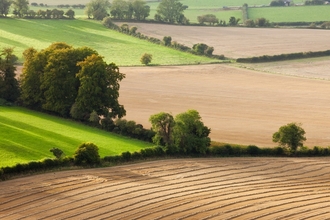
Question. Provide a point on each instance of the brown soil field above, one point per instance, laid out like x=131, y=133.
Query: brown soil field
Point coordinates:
x=239, y=105
x=221, y=188
x=242, y=42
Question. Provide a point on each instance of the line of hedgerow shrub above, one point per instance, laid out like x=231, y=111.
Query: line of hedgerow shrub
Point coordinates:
x=282, y=57
x=216, y=150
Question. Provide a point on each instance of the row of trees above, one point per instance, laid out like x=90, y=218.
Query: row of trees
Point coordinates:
x=71, y=82
x=21, y=9
x=169, y=11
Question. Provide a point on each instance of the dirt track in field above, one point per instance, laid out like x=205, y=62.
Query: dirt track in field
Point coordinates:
x=239, y=105
x=242, y=42
x=223, y=188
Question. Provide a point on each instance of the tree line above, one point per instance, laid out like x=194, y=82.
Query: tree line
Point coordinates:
x=21, y=9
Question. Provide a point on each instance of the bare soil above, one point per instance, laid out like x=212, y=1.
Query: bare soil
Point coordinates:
x=242, y=42
x=239, y=105
x=222, y=188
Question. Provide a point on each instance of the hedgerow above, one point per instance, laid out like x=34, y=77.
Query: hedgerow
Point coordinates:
x=281, y=57
x=158, y=152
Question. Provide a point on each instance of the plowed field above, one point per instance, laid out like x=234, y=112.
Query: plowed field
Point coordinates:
x=239, y=105
x=242, y=42
x=235, y=188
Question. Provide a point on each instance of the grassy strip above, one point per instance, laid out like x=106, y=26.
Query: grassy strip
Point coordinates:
x=291, y=14
x=115, y=47
x=26, y=135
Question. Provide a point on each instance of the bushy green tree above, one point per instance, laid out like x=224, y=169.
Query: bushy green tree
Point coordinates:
x=87, y=154
x=99, y=87
x=121, y=9
x=70, y=13
x=190, y=133
x=209, y=18
x=277, y=3
x=97, y=9
x=146, y=58
x=167, y=40
x=9, y=88
x=4, y=7
x=62, y=79
x=20, y=7
x=140, y=9
x=162, y=123
x=170, y=11
x=291, y=136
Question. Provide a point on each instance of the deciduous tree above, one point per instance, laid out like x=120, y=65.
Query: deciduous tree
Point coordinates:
x=99, y=88
x=9, y=89
x=162, y=123
x=97, y=9
x=290, y=135
x=4, y=7
x=170, y=11
x=21, y=7
x=190, y=133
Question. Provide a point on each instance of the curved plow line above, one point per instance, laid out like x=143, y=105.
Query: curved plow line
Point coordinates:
x=264, y=196
x=161, y=181
x=304, y=212
x=25, y=196
x=317, y=214
x=264, y=209
x=19, y=190
x=212, y=195
x=135, y=203
x=296, y=207
x=245, y=200
x=158, y=187
x=86, y=191
x=175, y=174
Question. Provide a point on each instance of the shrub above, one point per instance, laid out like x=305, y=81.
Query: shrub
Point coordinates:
x=277, y=3
x=87, y=154
x=126, y=156
x=261, y=22
x=58, y=153
x=252, y=150
x=200, y=48
x=326, y=25
x=249, y=23
x=146, y=58
x=107, y=22
x=133, y=30
x=167, y=40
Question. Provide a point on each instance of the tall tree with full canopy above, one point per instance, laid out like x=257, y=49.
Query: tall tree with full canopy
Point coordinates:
x=99, y=88
x=170, y=11
x=20, y=7
x=291, y=135
x=70, y=82
x=9, y=89
x=162, y=123
x=4, y=7
x=97, y=9
x=141, y=9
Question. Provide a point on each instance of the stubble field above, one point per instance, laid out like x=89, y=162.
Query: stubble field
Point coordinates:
x=223, y=188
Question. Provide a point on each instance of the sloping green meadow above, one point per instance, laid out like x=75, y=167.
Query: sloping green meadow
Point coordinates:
x=116, y=47
x=27, y=135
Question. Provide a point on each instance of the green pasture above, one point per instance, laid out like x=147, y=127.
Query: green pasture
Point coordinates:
x=26, y=135
x=292, y=14
x=114, y=46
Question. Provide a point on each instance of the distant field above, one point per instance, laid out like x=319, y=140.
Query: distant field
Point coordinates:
x=27, y=135
x=114, y=46
x=292, y=14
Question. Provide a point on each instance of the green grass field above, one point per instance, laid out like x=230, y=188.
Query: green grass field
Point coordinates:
x=27, y=135
x=114, y=46
x=292, y=14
